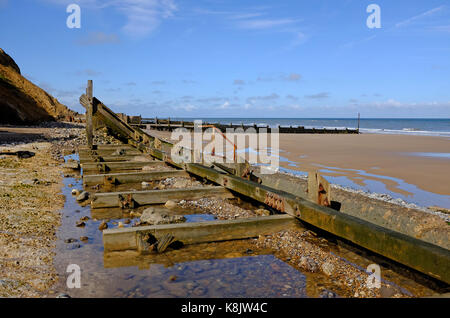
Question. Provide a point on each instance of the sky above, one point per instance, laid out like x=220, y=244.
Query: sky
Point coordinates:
x=224, y=58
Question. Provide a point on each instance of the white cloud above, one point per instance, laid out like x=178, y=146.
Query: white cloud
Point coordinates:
x=420, y=16
x=143, y=16
x=264, y=23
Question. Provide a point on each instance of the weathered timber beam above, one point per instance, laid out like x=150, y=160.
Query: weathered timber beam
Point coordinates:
x=103, y=167
x=131, y=177
x=133, y=198
x=133, y=238
x=109, y=158
x=106, y=147
x=110, y=152
x=417, y=254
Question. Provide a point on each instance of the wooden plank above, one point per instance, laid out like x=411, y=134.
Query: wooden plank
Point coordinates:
x=106, y=147
x=112, y=199
x=89, y=114
x=130, y=177
x=133, y=238
x=104, y=167
x=110, y=152
x=87, y=158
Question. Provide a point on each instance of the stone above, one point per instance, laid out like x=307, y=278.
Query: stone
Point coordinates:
x=161, y=186
x=170, y=204
x=127, y=221
x=80, y=224
x=70, y=240
x=103, y=226
x=181, y=183
x=172, y=278
x=120, y=224
x=153, y=217
x=63, y=296
x=145, y=185
x=84, y=239
x=308, y=264
x=262, y=212
x=327, y=268
x=84, y=218
x=83, y=196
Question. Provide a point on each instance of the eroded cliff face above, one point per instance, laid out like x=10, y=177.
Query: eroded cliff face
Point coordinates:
x=22, y=102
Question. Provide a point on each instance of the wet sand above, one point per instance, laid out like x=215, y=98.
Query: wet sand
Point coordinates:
x=378, y=155
x=379, y=163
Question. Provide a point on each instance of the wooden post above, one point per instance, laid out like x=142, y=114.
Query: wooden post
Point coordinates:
x=358, y=122
x=89, y=114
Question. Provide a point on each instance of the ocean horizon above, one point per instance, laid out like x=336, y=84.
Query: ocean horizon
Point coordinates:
x=407, y=126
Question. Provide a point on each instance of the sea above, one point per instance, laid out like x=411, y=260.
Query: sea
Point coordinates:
x=407, y=126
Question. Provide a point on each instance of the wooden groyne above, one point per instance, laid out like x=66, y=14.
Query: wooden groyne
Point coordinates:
x=430, y=259
x=170, y=125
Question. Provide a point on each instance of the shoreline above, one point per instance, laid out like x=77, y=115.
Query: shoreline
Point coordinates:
x=375, y=163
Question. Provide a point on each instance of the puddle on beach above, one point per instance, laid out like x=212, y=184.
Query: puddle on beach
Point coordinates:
x=443, y=155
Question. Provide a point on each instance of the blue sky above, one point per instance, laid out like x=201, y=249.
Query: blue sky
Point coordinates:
x=217, y=58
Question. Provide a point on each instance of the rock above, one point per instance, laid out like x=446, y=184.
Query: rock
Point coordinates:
x=172, y=278
x=120, y=224
x=170, y=204
x=84, y=239
x=83, y=196
x=84, y=218
x=75, y=192
x=327, y=268
x=160, y=186
x=308, y=264
x=71, y=165
x=145, y=185
x=70, y=240
x=103, y=226
x=63, y=296
x=80, y=224
x=181, y=183
x=135, y=214
x=262, y=212
x=127, y=221
x=153, y=217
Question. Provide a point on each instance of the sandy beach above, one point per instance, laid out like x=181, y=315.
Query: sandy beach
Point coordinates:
x=380, y=156
x=414, y=168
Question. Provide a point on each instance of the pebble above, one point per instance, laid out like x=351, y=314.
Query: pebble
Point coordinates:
x=103, y=226
x=80, y=224
x=84, y=239
x=170, y=204
x=75, y=192
x=83, y=196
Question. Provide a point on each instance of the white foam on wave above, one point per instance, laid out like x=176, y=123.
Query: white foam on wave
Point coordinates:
x=405, y=132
